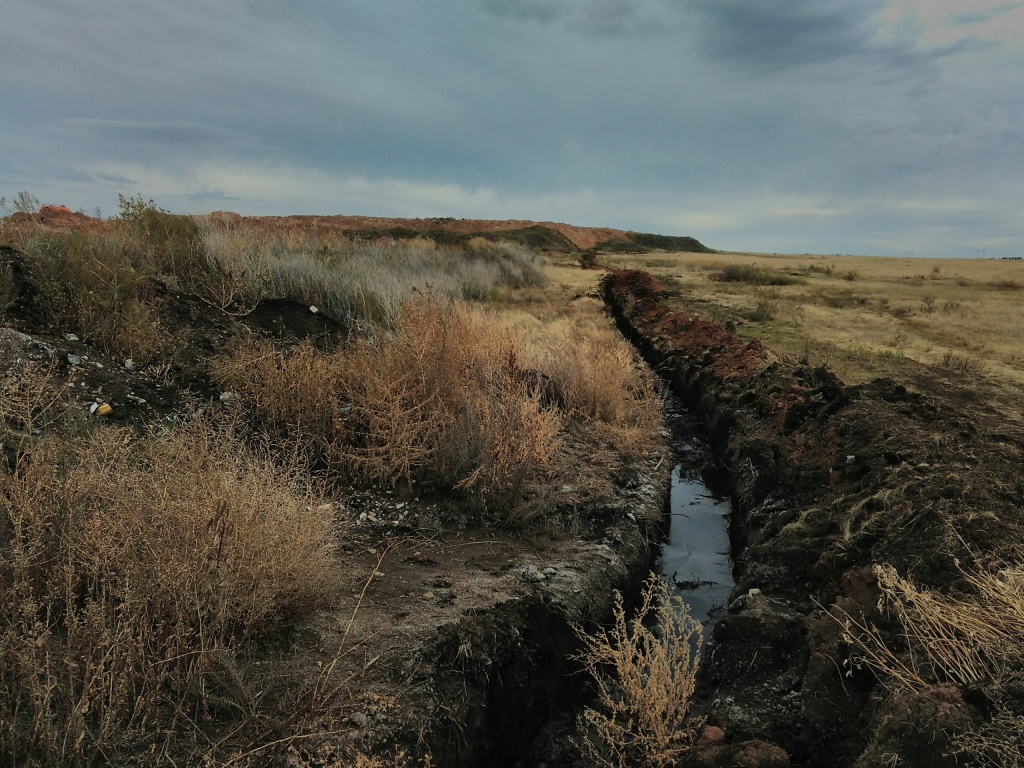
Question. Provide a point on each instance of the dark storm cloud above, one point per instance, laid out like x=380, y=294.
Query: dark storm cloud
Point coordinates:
x=774, y=35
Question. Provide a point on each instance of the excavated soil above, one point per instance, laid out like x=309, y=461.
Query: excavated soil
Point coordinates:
x=826, y=480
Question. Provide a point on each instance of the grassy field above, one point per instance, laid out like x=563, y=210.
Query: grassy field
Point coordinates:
x=861, y=316
x=146, y=562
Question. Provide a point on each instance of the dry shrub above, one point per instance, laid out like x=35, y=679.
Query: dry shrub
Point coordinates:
x=96, y=284
x=294, y=392
x=31, y=400
x=441, y=402
x=975, y=641
x=455, y=399
x=445, y=400
x=645, y=678
x=132, y=575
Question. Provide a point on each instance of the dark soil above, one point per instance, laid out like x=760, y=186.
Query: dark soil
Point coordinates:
x=826, y=480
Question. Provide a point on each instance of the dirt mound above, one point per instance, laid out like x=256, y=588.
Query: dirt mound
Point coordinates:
x=142, y=394
x=826, y=480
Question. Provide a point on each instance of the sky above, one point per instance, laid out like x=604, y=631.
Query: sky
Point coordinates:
x=881, y=127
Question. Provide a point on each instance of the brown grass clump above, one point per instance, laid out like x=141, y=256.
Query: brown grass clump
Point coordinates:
x=753, y=275
x=975, y=641
x=133, y=574
x=961, y=363
x=645, y=678
x=446, y=400
x=454, y=399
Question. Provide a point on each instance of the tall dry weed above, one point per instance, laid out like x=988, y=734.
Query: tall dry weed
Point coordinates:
x=133, y=574
x=975, y=641
x=645, y=678
x=445, y=400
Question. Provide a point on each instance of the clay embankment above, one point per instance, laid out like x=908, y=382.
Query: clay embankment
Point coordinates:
x=826, y=480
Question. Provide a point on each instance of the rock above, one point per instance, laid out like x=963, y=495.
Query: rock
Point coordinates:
x=70, y=337
x=129, y=364
x=529, y=574
x=920, y=727
x=710, y=736
x=74, y=359
x=228, y=397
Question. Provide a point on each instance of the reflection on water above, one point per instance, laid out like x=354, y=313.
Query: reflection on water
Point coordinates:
x=695, y=557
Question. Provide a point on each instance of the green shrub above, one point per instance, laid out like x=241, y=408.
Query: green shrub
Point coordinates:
x=753, y=275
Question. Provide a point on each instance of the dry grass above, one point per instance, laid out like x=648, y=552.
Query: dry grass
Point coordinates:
x=133, y=575
x=461, y=399
x=975, y=641
x=98, y=280
x=965, y=307
x=644, y=679
x=364, y=281
x=98, y=288
x=962, y=363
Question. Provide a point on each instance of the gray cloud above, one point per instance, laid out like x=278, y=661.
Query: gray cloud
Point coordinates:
x=690, y=116
x=775, y=35
x=544, y=11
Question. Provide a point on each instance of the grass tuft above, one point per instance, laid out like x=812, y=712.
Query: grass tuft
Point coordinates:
x=133, y=575
x=644, y=678
x=752, y=274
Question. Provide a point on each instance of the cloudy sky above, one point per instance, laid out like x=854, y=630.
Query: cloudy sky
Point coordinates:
x=827, y=126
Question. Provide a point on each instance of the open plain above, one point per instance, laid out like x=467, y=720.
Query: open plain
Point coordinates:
x=331, y=491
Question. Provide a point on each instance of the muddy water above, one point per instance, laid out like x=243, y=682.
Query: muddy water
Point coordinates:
x=695, y=556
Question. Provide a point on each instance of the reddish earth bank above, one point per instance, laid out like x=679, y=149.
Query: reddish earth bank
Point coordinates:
x=826, y=480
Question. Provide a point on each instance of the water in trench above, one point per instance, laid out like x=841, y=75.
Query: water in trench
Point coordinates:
x=695, y=560
x=695, y=556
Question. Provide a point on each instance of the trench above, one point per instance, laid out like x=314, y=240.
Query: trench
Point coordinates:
x=695, y=558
